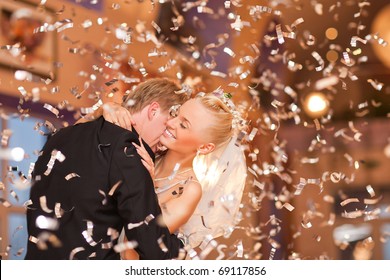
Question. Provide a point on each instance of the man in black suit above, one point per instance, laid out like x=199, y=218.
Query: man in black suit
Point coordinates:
x=89, y=183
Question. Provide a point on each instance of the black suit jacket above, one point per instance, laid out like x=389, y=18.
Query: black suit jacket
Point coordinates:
x=82, y=202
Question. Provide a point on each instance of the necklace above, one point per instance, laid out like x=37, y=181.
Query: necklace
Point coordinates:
x=172, y=175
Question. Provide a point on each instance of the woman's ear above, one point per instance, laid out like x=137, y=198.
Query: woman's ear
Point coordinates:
x=206, y=148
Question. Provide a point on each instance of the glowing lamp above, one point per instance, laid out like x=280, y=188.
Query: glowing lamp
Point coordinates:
x=316, y=104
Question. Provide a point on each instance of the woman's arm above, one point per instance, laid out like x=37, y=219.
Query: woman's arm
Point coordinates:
x=177, y=211
x=91, y=116
x=112, y=112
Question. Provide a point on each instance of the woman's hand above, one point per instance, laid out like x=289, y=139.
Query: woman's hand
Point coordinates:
x=116, y=114
x=145, y=158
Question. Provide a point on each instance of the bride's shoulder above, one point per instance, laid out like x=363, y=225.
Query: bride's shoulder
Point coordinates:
x=193, y=188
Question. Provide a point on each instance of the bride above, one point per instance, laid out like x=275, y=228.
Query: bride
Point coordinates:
x=200, y=177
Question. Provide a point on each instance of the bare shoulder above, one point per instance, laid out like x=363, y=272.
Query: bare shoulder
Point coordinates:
x=193, y=189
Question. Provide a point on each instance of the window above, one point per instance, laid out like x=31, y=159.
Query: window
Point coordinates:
x=15, y=190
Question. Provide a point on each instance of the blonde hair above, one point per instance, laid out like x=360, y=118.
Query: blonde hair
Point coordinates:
x=160, y=90
x=221, y=130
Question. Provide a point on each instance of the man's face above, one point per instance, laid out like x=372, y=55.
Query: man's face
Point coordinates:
x=157, y=127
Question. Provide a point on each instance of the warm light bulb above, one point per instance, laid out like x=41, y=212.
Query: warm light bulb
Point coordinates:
x=316, y=104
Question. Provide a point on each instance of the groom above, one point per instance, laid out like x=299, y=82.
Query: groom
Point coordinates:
x=89, y=183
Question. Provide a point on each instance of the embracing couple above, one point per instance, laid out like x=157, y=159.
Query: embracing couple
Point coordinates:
x=95, y=179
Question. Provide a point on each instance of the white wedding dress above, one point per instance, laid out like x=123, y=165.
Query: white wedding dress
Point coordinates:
x=222, y=175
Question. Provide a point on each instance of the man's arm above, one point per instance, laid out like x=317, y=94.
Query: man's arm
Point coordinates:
x=137, y=203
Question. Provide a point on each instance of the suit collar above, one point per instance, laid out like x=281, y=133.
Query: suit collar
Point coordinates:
x=107, y=132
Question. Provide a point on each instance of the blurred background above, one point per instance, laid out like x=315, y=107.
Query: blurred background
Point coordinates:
x=311, y=76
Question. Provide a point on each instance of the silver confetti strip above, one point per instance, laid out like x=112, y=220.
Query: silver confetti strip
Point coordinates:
x=128, y=245
x=349, y=200
x=370, y=190
x=71, y=175
x=75, y=251
x=33, y=239
x=134, y=225
x=5, y=203
x=107, y=246
x=104, y=201
x=43, y=204
x=89, y=238
x=58, y=211
x=114, y=187
x=240, y=249
x=162, y=245
x=55, y=155
x=51, y=109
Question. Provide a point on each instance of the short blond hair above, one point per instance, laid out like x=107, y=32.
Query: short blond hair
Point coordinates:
x=160, y=90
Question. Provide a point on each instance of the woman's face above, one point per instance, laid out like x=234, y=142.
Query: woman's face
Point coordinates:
x=189, y=129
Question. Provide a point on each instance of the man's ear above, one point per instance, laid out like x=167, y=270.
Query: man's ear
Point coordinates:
x=206, y=148
x=153, y=109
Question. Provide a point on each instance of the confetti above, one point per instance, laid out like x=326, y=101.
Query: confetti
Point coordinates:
x=5, y=135
x=123, y=246
x=114, y=187
x=240, y=249
x=63, y=24
x=272, y=254
x=306, y=224
x=288, y=206
x=43, y=204
x=326, y=82
x=89, y=239
x=353, y=214
x=192, y=254
x=220, y=249
x=75, y=251
x=162, y=245
x=218, y=74
x=14, y=195
x=104, y=201
x=58, y=211
x=370, y=190
x=55, y=155
x=211, y=245
x=275, y=99
x=375, y=84
x=238, y=25
x=71, y=175
x=372, y=201
x=279, y=34
x=147, y=220
x=5, y=203
x=27, y=204
x=319, y=60
x=349, y=200
x=229, y=52
x=33, y=239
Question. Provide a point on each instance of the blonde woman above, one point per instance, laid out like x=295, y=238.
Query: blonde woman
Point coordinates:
x=199, y=179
